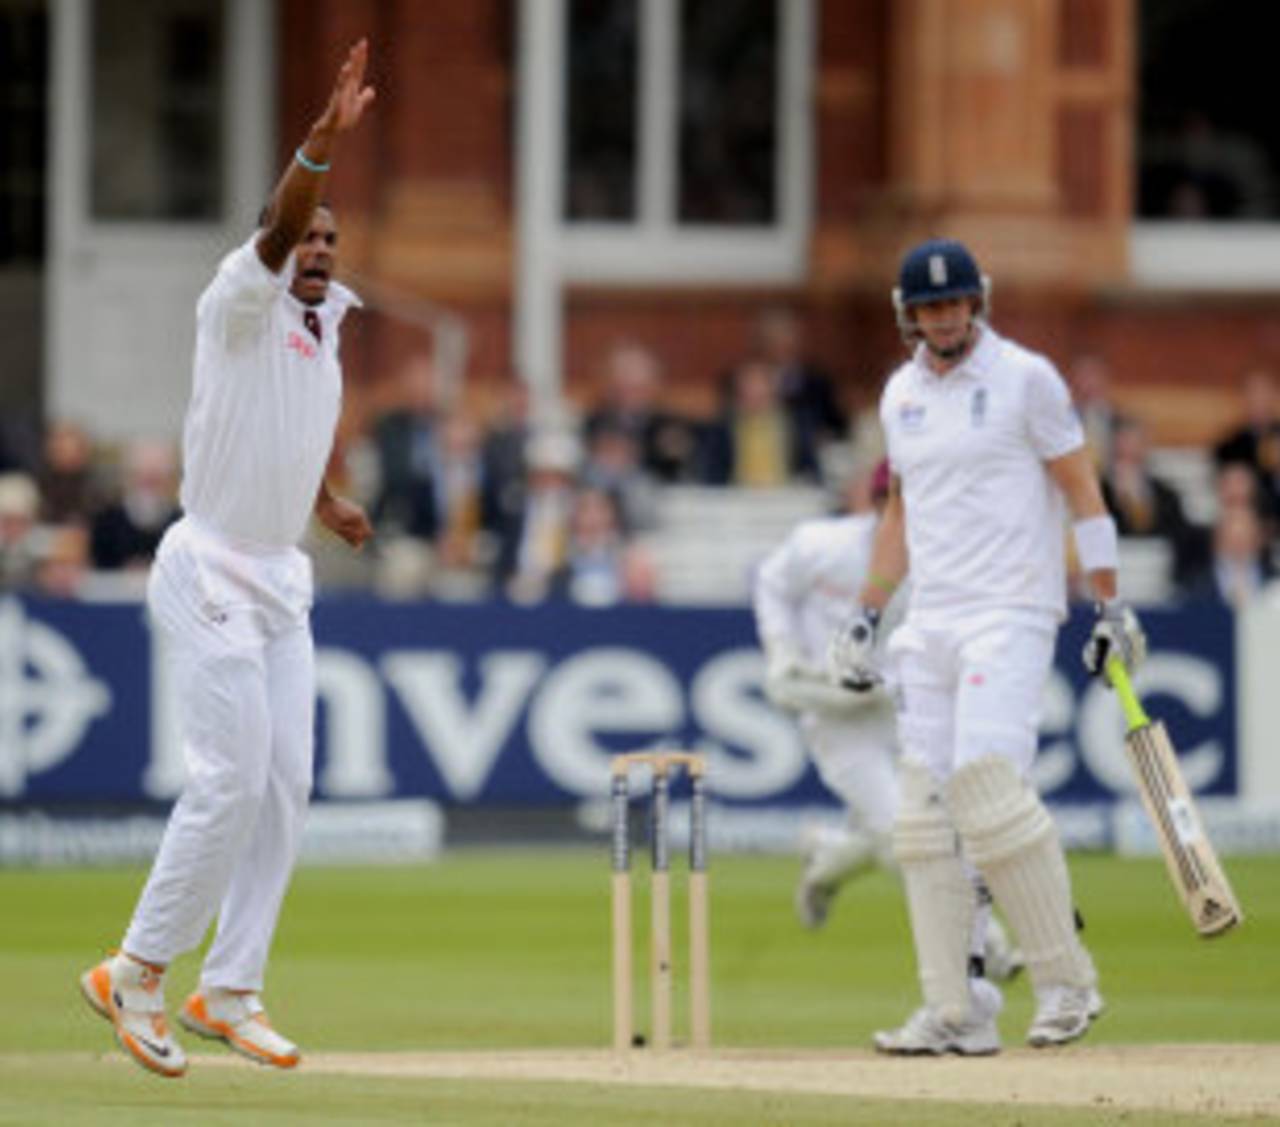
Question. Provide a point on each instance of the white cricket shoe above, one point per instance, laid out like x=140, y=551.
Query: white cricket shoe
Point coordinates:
x=926, y=1034
x=1064, y=1014
x=130, y=995
x=832, y=859
x=1002, y=961
x=238, y=1019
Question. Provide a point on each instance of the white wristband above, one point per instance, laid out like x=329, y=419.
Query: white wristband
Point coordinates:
x=1097, y=544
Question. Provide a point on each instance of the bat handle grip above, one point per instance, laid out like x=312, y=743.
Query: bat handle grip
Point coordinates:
x=1134, y=714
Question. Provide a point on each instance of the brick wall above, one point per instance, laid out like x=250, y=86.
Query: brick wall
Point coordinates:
x=424, y=193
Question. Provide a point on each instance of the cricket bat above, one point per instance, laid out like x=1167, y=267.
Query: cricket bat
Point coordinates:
x=1193, y=865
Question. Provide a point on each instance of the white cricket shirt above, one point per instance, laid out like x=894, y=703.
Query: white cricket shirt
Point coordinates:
x=985, y=522
x=265, y=400
x=806, y=588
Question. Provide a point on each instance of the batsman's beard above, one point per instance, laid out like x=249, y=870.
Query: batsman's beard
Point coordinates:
x=955, y=351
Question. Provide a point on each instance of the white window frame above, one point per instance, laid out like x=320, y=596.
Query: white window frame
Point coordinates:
x=655, y=247
x=652, y=249
x=247, y=132
x=1210, y=256
x=1222, y=256
x=116, y=282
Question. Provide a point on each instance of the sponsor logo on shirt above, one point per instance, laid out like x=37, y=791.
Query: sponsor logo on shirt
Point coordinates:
x=911, y=416
x=978, y=407
x=296, y=342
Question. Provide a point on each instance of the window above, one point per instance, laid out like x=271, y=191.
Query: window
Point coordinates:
x=685, y=133
x=24, y=52
x=600, y=144
x=156, y=110
x=1207, y=204
x=728, y=111
x=1209, y=137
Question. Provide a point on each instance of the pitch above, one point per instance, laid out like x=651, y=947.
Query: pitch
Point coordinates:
x=476, y=990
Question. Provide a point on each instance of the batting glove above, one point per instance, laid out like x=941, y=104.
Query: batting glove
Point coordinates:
x=1117, y=631
x=851, y=651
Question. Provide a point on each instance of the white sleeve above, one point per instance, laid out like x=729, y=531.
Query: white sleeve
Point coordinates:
x=776, y=595
x=1052, y=421
x=886, y=427
x=241, y=293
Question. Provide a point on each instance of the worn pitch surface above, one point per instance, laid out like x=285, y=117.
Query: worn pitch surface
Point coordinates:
x=1205, y=1079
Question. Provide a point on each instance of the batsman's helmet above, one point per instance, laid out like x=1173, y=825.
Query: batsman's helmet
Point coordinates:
x=938, y=270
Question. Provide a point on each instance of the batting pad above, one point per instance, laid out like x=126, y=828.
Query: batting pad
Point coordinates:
x=1008, y=834
x=940, y=897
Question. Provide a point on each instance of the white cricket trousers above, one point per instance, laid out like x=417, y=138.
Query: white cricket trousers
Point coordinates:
x=237, y=631
x=855, y=758
x=972, y=687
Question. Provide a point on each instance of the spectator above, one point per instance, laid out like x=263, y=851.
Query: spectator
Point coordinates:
x=630, y=402
x=600, y=567
x=1236, y=486
x=19, y=507
x=613, y=466
x=1142, y=504
x=1090, y=381
x=535, y=549
x=459, y=508
x=1256, y=442
x=403, y=438
x=806, y=390
x=127, y=532
x=62, y=566
x=1240, y=566
x=504, y=455
x=68, y=489
x=756, y=443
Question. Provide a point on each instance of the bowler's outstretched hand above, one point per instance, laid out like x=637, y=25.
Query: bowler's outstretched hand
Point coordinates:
x=350, y=97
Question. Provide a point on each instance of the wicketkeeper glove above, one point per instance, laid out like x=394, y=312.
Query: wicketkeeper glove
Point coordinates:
x=782, y=669
x=794, y=686
x=851, y=651
x=1117, y=631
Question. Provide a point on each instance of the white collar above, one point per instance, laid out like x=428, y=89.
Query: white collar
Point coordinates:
x=337, y=300
x=976, y=364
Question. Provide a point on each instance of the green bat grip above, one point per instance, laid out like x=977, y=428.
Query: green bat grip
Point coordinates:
x=1134, y=715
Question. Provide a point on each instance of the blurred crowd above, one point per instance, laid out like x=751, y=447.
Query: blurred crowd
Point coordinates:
x=533, y=507
x=473, y=503
x=82, y=521
x=1233, y=556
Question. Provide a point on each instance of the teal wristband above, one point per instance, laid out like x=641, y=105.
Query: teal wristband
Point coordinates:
x=307, y=163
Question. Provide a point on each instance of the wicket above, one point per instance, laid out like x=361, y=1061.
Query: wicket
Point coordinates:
x=663, y=764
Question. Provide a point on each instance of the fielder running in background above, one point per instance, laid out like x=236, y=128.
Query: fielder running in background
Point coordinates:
x=987, y=456
x=231, y=592
x=803, y=592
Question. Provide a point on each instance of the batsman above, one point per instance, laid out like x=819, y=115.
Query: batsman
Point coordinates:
x=988, y=459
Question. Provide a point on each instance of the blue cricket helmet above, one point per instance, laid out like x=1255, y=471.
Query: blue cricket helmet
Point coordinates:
x=938, y=270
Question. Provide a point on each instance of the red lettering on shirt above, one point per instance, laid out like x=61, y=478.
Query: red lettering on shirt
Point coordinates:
x=299, y=344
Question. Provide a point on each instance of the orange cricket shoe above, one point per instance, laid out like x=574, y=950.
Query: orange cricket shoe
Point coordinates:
x=130, y=995
x=238, y=1019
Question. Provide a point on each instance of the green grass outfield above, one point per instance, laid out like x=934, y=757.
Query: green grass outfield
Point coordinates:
x=510, y=950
